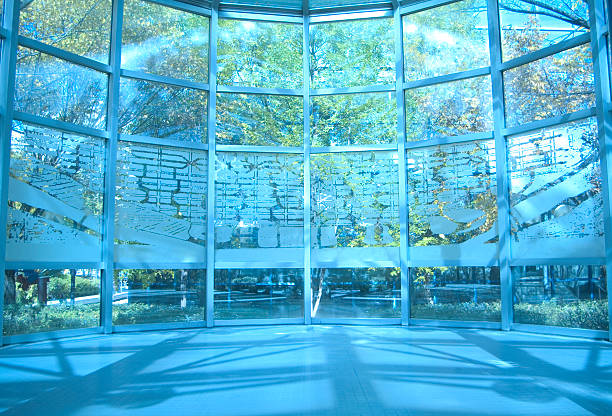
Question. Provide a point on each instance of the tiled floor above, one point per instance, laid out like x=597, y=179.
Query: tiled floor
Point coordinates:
x=317, y=370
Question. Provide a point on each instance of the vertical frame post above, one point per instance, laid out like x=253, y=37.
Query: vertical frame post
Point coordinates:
x=212, y=128
x=401, y=153
x=112, y=125
x=501, y=164
x=307, y=190
x=10, y=22
x=601, y=67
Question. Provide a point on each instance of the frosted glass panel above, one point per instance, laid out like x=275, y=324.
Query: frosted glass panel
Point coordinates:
x=160, y=204
x=56, y=188
x=555, y=192
x=354, y=199
x=452, y=201
x=259, y=201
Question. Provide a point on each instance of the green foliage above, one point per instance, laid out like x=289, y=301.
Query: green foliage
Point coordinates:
x=467, y=311
x=142, y=313
x=25, y=319
x=59, y=287
x=585, y=314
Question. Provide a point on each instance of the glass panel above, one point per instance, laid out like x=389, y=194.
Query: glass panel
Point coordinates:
x=556, y=193
x=81, y=27
x=44, y=300
x=259, y=54
x=452, y=199
x=56, y=193
x=354, y=199
x=262, y=120
x=259, y=200
x=455, y=293
x=569, y=296
x=553, y=86
x=446, y=39
x=164, y=41
x=259, y=293
x=144, y=296
x=50, y=87
x=160, y=204
x=449, y=109
x=353, y=119
x=356, y=293
x=352, y=53
x=164, y=111
x=528, y=25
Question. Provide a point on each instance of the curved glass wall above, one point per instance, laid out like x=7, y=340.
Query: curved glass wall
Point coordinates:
x=167, y=165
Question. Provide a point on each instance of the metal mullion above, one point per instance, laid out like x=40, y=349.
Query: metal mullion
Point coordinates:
x=63, y=126
x=546, y=52
x=258, y=149
x=108, y=235
x=601, y=67
x=10, y=22
x=3, y=31
x=261, y=17
x=463, y=138
x=501, y=167
x=182, y=6
x=352, y=90
x=162, y=142
x=549, y=122
x=424, y=5
x=259, y=91
x=64, y=55
x=342, y=14
x=457, y=76
x=210, y=198
x=144, y=76
x=307, y=190
x=355, y=148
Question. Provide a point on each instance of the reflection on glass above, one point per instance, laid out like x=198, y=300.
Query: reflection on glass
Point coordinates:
x=259, y=54
x=446, y=39
x=449, y=109
x=455, y=293
x=556, y=193
x=263, y=120
x=164, y=111
x=354, y=199
x=452, y=194
x=527, y=25
x=259, y=200
x=160, y=204
x=145, y=296
x=353, y=119
x=81, y=27
x=56, y=189
x=356, y=293
x=50, y=87
x=164, y=41
x=352, y=53
x=259, y=293
x=44, y=300
x=552, y=86
x=568, y=296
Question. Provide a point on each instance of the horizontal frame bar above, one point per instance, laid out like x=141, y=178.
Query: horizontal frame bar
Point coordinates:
x=144, y=76
x=546, y=52
x=353, y=148
x=351, y=90
x=251, y=322
x=357, y=321
x=235, y=15
x=155, y=141
x=64, y=55
x=469, y=137
x=63, y=126
x=159, y=266
x=442, y=79
x=257, y=149
x=162, y=326
x=266, y=10
x=585, y=261
x=424, y=5
x=183, y=6
x=549, y=122
x=264, y=264
x=45, y=336
x=451, y=262
x=234, y=89
x=562, y=331
x=331, y=15
x=31, y=265
x=455, y=324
